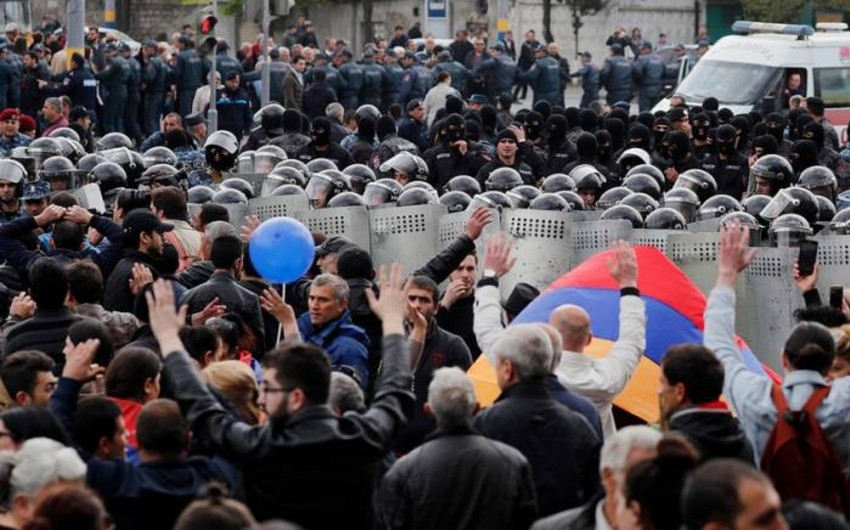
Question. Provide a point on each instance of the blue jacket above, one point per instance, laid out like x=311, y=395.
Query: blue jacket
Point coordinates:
x=575, y=403
x=347, y=345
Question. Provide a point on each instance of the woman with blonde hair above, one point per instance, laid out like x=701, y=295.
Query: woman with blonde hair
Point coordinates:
x=235, y=381
x=841, y=364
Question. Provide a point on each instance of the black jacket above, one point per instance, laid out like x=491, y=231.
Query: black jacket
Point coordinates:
x=558, y=443
x=236, y=299
x=196, y=274
x=311, y=468
x=715, y=433
x=45, y=332
x=458, y=319
x=458, y=479
x=116, y=293
x=335, y=154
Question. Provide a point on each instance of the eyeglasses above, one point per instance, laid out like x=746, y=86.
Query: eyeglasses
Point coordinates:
x=265, y=389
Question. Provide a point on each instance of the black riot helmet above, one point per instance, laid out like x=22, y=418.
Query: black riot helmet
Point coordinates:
x=160, y=155
x=267, y=157
x=641, y=202
x=405, y=167
x=643, y=183
x=648, y=169
x=826, y=210
x=34, y=154
x=632, y=157
x=558, y=182
x=160, y=175
x=789, y=230
x=320, y=164
x=491, y=199
x=131, y=161
x=60, y=173
x=110, y=177
x=416, y=197
x=359, y=175
x=666, y=219
x=820, y=180
x=87, y=163
x=612, y=197
x=684, y=201
x=503, y=179
x=71, y=149
x=229, y=196
x=221, y=149
x=323, y=185
x=382, y=191
x=289, y=189
x=743, y=219
x=296, y=164
x=774, y=170
x=455, y=201
x=236, y=183
x=794, y=200
x=587, y=177
x=840, y=223
x=523, y=195
x=754, y=204
x=113, y=140
x=346, y=199
x=65, y=132
x=280, y=176
x=421, y=184
x=701, y=182
x=271, y=119
x=200, y=194
x=573, y=199
x=718, y=206
x=621, y=212
x=549, y=201
x=367, y=110
x=463, y=183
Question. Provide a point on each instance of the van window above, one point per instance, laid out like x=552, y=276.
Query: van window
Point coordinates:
x=832, y=85
x=731, y=83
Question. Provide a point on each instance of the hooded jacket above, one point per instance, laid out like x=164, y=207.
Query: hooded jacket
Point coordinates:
x=347, y=345
x=714, y=432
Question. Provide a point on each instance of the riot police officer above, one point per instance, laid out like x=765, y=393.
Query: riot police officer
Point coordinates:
x=155, y=84
x=12, y=177
x=616, y=76
x=114, y=78
x=728, y=167
x=79, y=85
x=352, y=74
x=455, y=155
x=188, y=73
x=134, y=96
x=589, y=74
x=649, y=76
x=545, y=78
x=375, y=79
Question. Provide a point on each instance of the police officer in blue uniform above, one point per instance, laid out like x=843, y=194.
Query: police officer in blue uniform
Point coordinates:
x=155, y=74
x=589, y=74
x=79, y=85
x=616, y=76
x=114, y=78
x=189, y=75
x=545, y=76
x=649, y=77
x=352, y=74
x=134, y=95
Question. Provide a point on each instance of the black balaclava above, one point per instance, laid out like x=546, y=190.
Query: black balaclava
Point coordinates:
x=814, y=132
x=455, y=128
x=588, y=120
x=658, y=136
x=767, y=143
x=619, y=114
x=604, y=146
x=454, y=105
x=742, y=129
x=758, y=129
x=534, y=126
x=291, y=121
x=556, y=129
x=676, y=145
x=385, y=127
x=711, y=104
x=366, y=128
x=473, y=131
x=725, y=140
x=544, y=108
x=640, y=136
x=646, y=118
x=572, y=114
x=488, y=119
x=700, y=126
x=798, y=125
x=804, y=154
x=724, y=115
x=586, y=146
x=320, y=132
x=617, y=130
x=775, y=125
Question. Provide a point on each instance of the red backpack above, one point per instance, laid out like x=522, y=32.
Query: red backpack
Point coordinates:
x=799, y=458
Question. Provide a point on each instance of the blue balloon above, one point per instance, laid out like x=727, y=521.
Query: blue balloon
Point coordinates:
x=282, y=250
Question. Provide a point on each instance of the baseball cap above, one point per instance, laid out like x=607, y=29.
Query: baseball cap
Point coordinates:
x=231, y=75
x=413, y=104
x=479, y=99
x=150, y=43
x=194, y=119
x=78, y=112
x=142, y=220
x=622, y=105
x=36, y=189
x=332, y=245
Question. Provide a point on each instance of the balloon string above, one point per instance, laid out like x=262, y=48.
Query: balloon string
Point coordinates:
x=279, y=325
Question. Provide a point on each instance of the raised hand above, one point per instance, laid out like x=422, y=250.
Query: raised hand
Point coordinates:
x=391, y=306
x=497, y=255
x=164, y=320
x=623, y=265
x=480, y=218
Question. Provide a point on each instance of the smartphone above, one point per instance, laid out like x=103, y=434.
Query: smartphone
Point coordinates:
x=836, y=296
x=808, y=257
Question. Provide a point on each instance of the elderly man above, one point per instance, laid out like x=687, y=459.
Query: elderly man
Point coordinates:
x=559, y=443
x=621, y=452
x=327, y=324
x=53, y=117
x=477, y=483
x=601, y=380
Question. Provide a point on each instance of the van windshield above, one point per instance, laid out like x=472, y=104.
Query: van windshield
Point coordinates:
x=730, y=83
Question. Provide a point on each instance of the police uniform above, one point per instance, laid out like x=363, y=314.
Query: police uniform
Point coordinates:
x=445, y=162
x=134, y=99
x=589, y=74
x=616, y=76
x=115, y=78
x=189, y=76
x=545, y=79
x=349, y=95
x=731, y=174
x=155, y=76
x=375, y=79
x=649, y=76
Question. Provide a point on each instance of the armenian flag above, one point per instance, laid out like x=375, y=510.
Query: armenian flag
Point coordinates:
x=674, y=307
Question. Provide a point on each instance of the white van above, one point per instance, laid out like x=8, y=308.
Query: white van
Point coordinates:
x=750, y=70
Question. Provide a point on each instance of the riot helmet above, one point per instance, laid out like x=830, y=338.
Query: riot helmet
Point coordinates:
x=718, y=206
x=666, y=219
x=87, y=163
x=236, y=183
x=820, y=180
x=345, y=199
x=245, y=161
x=229, y=196
x=840, y=223
x=612, y=197
x=382, y=191
x=421, y=184
x=367, y=110
x=770, y=174
x=826, y=210
x=110, y=177
x=160, y=155
x=574, y=200
x=405, y=167
x=113, y=140
x=550, y=202
x=359, y=175
x=71, y=149
x=754, y=204
x=299, y=165
x=65, y=132
x=14, y=172
x=743, y=219
x=648, y=169
x=795, y=200
x=130, y=161
x=322, y=187
x=789, y=230
x=200, y=194
x=221, y=149
x=558, y=182
x=59, y=173
x=463, y=183
x=416, y=197
x=289, y=189
x=320, y=164
x=455, y=201
x=621, y=212
x=491, y=199
x=643, y=183
x=503, y=179
x=632, y=157
x=161, y=175
x=523, y=195
x=699, y=181
x=682, y=200
x=267, y=157
x=641, y=202
x=270, y=119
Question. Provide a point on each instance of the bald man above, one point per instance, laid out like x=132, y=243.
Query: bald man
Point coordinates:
x=602, y=380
